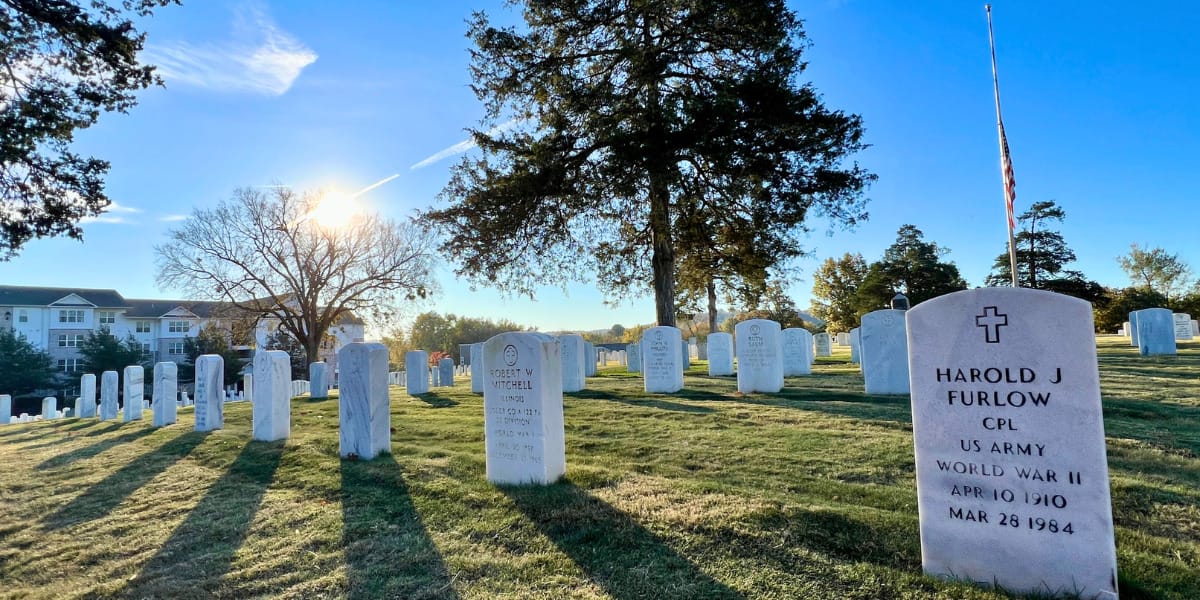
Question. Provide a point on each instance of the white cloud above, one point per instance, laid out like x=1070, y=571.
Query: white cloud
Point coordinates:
x=103, y=219
x=114, y=207
x=465, y=145
x=173, y=218
x=260, y=59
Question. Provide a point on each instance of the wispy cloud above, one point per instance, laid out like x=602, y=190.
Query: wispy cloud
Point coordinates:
x=465, y=145
x=172, y=218
x=107, y=220
x=260, y=58
x=113, y=207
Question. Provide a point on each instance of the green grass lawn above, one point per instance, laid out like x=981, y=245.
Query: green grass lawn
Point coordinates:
x=703, y=494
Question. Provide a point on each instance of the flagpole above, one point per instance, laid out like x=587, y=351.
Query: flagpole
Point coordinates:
x=1005, y=159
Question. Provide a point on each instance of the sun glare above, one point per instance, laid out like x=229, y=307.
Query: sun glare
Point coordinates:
x=333, y=211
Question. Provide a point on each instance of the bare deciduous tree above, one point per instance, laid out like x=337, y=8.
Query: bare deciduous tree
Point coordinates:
x=271, y=253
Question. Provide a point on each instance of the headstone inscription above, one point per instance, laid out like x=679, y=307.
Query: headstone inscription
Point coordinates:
x=446, y=371
x=1012, y=478
x=1133, y=329
x=1156, y=332
x=855, y=346
x=416, y=367
x=884, y=352
x=634, y=357
x=662, y=352
x=720, y=354
x=573, y=353
x=797, y=352
x=5, y=409
x=108, y=395
x=210, y=410
x=166, y=390
x=49, y=407
x=477, y=368
x=821, y=341
x=365, y=417
x=272, y=404
x=523, y=409
x=1183, y=326
x=87, y=395
x=318, y=379
x=135, y=385
x=759, y=356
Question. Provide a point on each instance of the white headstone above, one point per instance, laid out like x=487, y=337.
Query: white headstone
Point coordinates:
x=87, y=395
x=416, y=364
x=66, y=412
x=1133, y=329
x=720, y=354
x=184, y=400
x=49, y=407
x=248, y=387
x=633, y=354
x=78, y=407
x=366, y=419
x=662, y=352
x=759, y=347
x=686, y=353
x=1183, y=326
x=523, y=409
x=272, y=404
x=589, y=362
x=1156, y=332
x=166, y=390
x=573, y=352
x=5, y=409
x=446, y=372
x=109, y=382
x=1012, y=479
x=1195, y=328
x=210, y=376
x=822, y=343
x=843, y=338
x=477, y=368
x=602, y=355
x=135, y=386
x=884, y=352
x=855, y=344
x=1125, y=329
x=797, y=351
x=318, y=379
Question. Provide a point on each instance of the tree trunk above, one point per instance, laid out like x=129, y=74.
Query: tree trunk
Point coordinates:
x=312, y=350
x=712, y=306
x=662, y=259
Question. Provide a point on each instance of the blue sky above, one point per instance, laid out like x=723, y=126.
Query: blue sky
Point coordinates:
x=1099, y=106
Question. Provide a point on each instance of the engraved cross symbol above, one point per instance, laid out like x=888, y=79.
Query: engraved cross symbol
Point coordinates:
x=991, y=320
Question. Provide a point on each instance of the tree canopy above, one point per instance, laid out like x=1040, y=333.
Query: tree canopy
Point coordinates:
x=835, y=291
x=64, y=63
x=266, y=254
x=102, y=351
x=432, y=332
x=613, y=120
x=24, y=369
x=1156, y=269
x=910, y=266
x=211, y=340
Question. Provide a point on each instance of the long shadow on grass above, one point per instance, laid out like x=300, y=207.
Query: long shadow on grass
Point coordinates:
x=388, y=551
x=94, y=449
x=201, y=550
x=643, y=402
x=103, y=497
x=843, y=404
x=615, y=551
x=435, y=400
x=111, y=427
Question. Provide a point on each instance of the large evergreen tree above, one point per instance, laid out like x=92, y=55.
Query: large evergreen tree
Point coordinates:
x=24, y=369
x=611, y=111
x=911, y=266
x=1042, y=254
x=102, y=351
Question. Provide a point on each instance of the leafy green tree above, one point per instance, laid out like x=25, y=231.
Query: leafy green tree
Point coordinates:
x=612, y=110
x=775, y=305
x=835, y=287
x=24, y=369
x=298, y=358
x=102, y=351
x=1110, y=315
x=64, y=63
x=912, y=267
x=211, y=340
x=433, y=332
x=1155, y=269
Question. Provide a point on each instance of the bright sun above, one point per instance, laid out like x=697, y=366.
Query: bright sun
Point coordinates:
x=333, y=211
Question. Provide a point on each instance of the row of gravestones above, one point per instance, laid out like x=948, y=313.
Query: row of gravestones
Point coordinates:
x=1154, y=331
x=165, y=385
x=1011, y=472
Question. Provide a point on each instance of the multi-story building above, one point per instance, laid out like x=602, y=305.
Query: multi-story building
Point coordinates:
x=58, y=319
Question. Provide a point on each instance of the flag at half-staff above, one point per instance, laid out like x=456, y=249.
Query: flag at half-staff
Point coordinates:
x=1006, y=168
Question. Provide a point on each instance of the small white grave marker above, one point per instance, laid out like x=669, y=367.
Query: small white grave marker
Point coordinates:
x=272, y=404
x=318, y=379
x=416, y=366
x=797, y=352
x=523, y=409
x=574, y=355
x=365, y=418
x=883, y=351
x=662, y=351
x=135, y=382
x=759, y=356
x=108, y=395
x=477, y=368
x=87, y=395
x=823, y=347
x=720, y=354
x=210, y=376
x=166, y=390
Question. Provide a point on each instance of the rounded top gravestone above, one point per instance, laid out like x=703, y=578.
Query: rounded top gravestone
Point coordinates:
x=900, y=302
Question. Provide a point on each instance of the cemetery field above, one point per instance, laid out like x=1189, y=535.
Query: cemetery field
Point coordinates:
x=809, y=493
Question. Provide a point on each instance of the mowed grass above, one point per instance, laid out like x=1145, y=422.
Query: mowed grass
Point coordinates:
x=703, y=494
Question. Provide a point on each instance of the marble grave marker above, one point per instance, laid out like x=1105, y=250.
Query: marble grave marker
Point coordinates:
x=109, y=380
x=523, y=409
x=883, y=351
x=416, y=368
x=759, y=356
x=165, y=393
x=210, y=375
x=272, y=404
x=662, y=351
x=365, y=428
x=797, y=352
x=720, y=354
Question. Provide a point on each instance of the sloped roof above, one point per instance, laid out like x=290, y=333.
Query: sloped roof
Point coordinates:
x=15, y=295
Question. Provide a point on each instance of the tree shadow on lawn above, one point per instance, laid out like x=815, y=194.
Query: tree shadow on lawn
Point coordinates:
x=435, y=400
x=94, y=449
x=617, y=553
x=389, y=553
x=29, y=434
x=200, y=551
x=100, y=499
x=897, y=409
x=642, y=402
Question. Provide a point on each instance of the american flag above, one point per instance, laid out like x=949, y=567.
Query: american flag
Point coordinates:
x=1010, y=182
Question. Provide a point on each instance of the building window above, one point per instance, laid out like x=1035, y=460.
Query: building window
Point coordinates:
x=178, y=326
x=70, y=340
x=145, y=347
x=142, y=326
x=69, y=365
x=22, y=316
x=175, y=348
x=70, y=316
x=107, y=317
